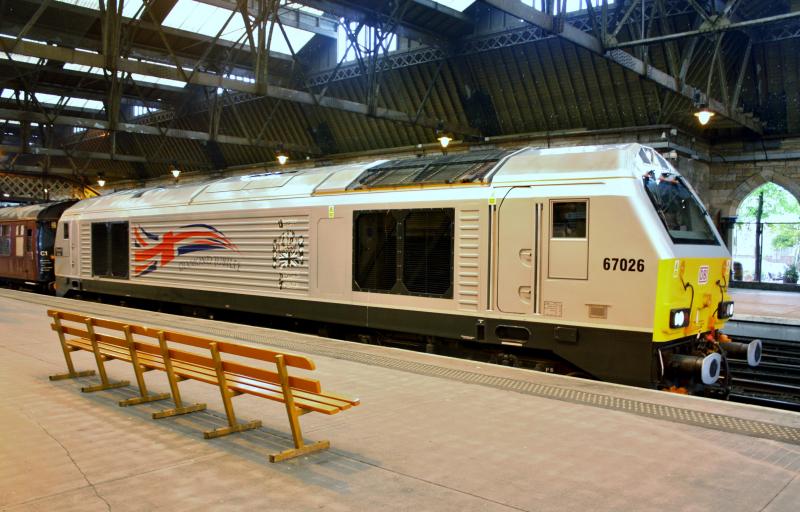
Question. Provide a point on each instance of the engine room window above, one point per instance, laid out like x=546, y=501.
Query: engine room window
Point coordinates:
x=569, y=219
x=416, y=244
x=428, y=252
x=110, y=249
x=375, y=251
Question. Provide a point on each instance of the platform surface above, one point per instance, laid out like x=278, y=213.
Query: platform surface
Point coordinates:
x=432, y=434
x=767, y=306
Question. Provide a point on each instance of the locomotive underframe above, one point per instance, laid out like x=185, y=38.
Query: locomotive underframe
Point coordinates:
x=625, y=357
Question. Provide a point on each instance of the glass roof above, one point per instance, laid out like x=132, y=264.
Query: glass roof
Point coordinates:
x=131, y=8
x=572, y=5
x=456, y=5
x=52, y=99
x=207, y=20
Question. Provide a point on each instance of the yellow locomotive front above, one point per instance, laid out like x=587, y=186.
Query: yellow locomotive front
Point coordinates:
x=692, y=301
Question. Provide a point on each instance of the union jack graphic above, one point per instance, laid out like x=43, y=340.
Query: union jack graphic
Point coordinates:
x=151, y=250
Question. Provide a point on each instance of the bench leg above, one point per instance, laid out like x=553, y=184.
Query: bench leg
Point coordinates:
x=297, y=452
x=178, y=410
x=233, y=425
x=144, y=396
x=173, y=386
x=71, y=373
x=103, y=387
x=144, y=399
x=239, y=427
x=101, y=368
x=300, y=448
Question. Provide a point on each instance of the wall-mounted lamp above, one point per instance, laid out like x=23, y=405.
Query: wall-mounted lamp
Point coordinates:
x=101, y=180
x=175, y=171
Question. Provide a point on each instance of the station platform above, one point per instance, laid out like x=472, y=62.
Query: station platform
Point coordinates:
x=432, y=433
x=767, y=306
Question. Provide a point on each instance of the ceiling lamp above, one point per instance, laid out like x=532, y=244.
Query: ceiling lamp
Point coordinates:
x=101, y=180
x=175, y=171
x=282, y=156
x=443, y=136
x=704, y=115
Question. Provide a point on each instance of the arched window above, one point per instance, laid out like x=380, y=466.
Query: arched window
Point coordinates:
x=766, y=237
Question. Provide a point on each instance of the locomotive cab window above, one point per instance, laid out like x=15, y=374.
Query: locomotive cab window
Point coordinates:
x=406, y=252
x=569, y=239
x=682, y=214
x=65, y=225
x=569, y=219
x=110, y=249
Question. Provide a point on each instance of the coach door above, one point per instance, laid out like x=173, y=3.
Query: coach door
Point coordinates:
x=516, y=252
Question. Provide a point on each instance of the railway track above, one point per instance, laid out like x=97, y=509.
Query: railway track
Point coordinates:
x=776, y=381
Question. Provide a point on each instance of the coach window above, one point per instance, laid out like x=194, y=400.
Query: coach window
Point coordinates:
x=28, y=240
x=405, y=252
x=5, y=240
x=110, y=249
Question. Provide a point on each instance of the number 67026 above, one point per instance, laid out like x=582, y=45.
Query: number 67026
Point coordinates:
x=623, y=264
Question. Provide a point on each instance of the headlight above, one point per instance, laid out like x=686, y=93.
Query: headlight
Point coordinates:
x=725, y=309
x=678, y=318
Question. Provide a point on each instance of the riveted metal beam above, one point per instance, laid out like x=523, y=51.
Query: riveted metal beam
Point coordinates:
x=620, y=57
x=57, y=53
x=142, y=129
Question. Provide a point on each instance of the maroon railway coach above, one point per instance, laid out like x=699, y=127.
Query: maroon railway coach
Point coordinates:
x=27, y=236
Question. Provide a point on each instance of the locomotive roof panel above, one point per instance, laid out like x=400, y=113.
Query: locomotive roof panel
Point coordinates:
x=534, y=165
x=42, y=211
x=460, y=168
x=498, y=167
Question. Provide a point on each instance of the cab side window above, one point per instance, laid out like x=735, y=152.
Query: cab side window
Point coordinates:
x=569, y=219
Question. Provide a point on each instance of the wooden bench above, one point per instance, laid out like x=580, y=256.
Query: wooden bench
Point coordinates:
x=155, y=349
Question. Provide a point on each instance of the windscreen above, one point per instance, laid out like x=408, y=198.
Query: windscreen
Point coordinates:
x=684, y=217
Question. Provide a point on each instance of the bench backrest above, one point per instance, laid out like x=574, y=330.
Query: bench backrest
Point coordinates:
x=119, y=337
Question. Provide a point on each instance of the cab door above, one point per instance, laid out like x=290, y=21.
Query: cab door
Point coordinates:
x=516, y=252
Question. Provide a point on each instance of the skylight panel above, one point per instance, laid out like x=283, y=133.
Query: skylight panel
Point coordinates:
x=572, y=5
x=365, y=40
x=53, y=99
x=456, y=5
x=300, y=7
x=131, y=8
x=20, y=58
x=207, y=20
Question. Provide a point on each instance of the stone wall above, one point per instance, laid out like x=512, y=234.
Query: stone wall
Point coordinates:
x=731, y=183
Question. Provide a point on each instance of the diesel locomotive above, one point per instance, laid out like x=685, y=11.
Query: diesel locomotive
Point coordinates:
x=598, y=260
